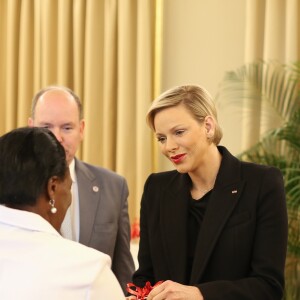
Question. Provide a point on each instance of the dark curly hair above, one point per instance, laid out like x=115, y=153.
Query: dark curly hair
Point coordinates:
x=29, y=157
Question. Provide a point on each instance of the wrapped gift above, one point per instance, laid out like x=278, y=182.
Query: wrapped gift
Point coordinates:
x=141, y=293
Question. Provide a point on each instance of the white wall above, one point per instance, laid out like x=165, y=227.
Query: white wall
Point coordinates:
x=202, y=39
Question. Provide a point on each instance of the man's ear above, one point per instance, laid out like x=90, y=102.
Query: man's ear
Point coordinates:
x=30, y=122
x=81, y=128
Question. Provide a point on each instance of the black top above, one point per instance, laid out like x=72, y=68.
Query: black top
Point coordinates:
x=196, y=213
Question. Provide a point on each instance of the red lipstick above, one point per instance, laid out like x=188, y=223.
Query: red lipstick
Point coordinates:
x=177, y=158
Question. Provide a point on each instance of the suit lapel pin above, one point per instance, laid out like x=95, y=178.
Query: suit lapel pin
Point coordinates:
x=234, y=192
x=95, y=189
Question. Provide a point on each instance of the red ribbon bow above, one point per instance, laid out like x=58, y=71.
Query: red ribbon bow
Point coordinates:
x=135, y=229
x=141, y=293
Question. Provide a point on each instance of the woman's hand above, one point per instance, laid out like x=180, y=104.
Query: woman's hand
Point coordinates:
x=170, y=290
x=130, y=298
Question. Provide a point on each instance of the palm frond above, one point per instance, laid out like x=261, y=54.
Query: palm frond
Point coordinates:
x=267, y=86
x=272, y=89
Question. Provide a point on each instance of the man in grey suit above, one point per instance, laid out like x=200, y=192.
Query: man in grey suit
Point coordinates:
x=98, y=216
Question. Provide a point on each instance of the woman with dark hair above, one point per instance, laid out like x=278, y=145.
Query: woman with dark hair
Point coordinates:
x=36, y=262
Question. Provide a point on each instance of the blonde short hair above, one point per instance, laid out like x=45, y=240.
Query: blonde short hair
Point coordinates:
x=195, y=99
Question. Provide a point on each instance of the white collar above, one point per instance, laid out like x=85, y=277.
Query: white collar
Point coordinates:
x=26, y=220
x=72, y=170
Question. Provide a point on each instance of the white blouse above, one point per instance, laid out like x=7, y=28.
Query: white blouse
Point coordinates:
x=37, y=263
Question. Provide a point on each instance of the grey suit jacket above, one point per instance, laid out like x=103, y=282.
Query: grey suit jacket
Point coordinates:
x=104, y=220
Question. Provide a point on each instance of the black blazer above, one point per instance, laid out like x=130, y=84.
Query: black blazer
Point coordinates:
x=241, y=247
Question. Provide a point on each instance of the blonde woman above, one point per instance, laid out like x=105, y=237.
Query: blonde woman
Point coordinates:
x=214, y=228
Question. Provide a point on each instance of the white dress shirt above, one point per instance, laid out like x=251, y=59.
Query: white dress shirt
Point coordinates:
x=70, y=226
x=37, y=263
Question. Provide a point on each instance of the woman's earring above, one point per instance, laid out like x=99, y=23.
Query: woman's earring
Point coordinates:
x=53, y=208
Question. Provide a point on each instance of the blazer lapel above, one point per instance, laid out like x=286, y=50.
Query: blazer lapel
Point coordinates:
x=223, y=200
x=89, y=197
x=173, y=222
x=221, y=204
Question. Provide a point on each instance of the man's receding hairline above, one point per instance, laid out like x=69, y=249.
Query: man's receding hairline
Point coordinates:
x=58, y=90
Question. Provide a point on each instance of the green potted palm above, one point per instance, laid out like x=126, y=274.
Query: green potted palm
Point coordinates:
x=275, y=89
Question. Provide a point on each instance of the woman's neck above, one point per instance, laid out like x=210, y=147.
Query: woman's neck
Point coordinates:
x=204, y=179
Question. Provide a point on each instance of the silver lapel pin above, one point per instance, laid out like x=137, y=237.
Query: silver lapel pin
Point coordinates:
x=95, y=189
